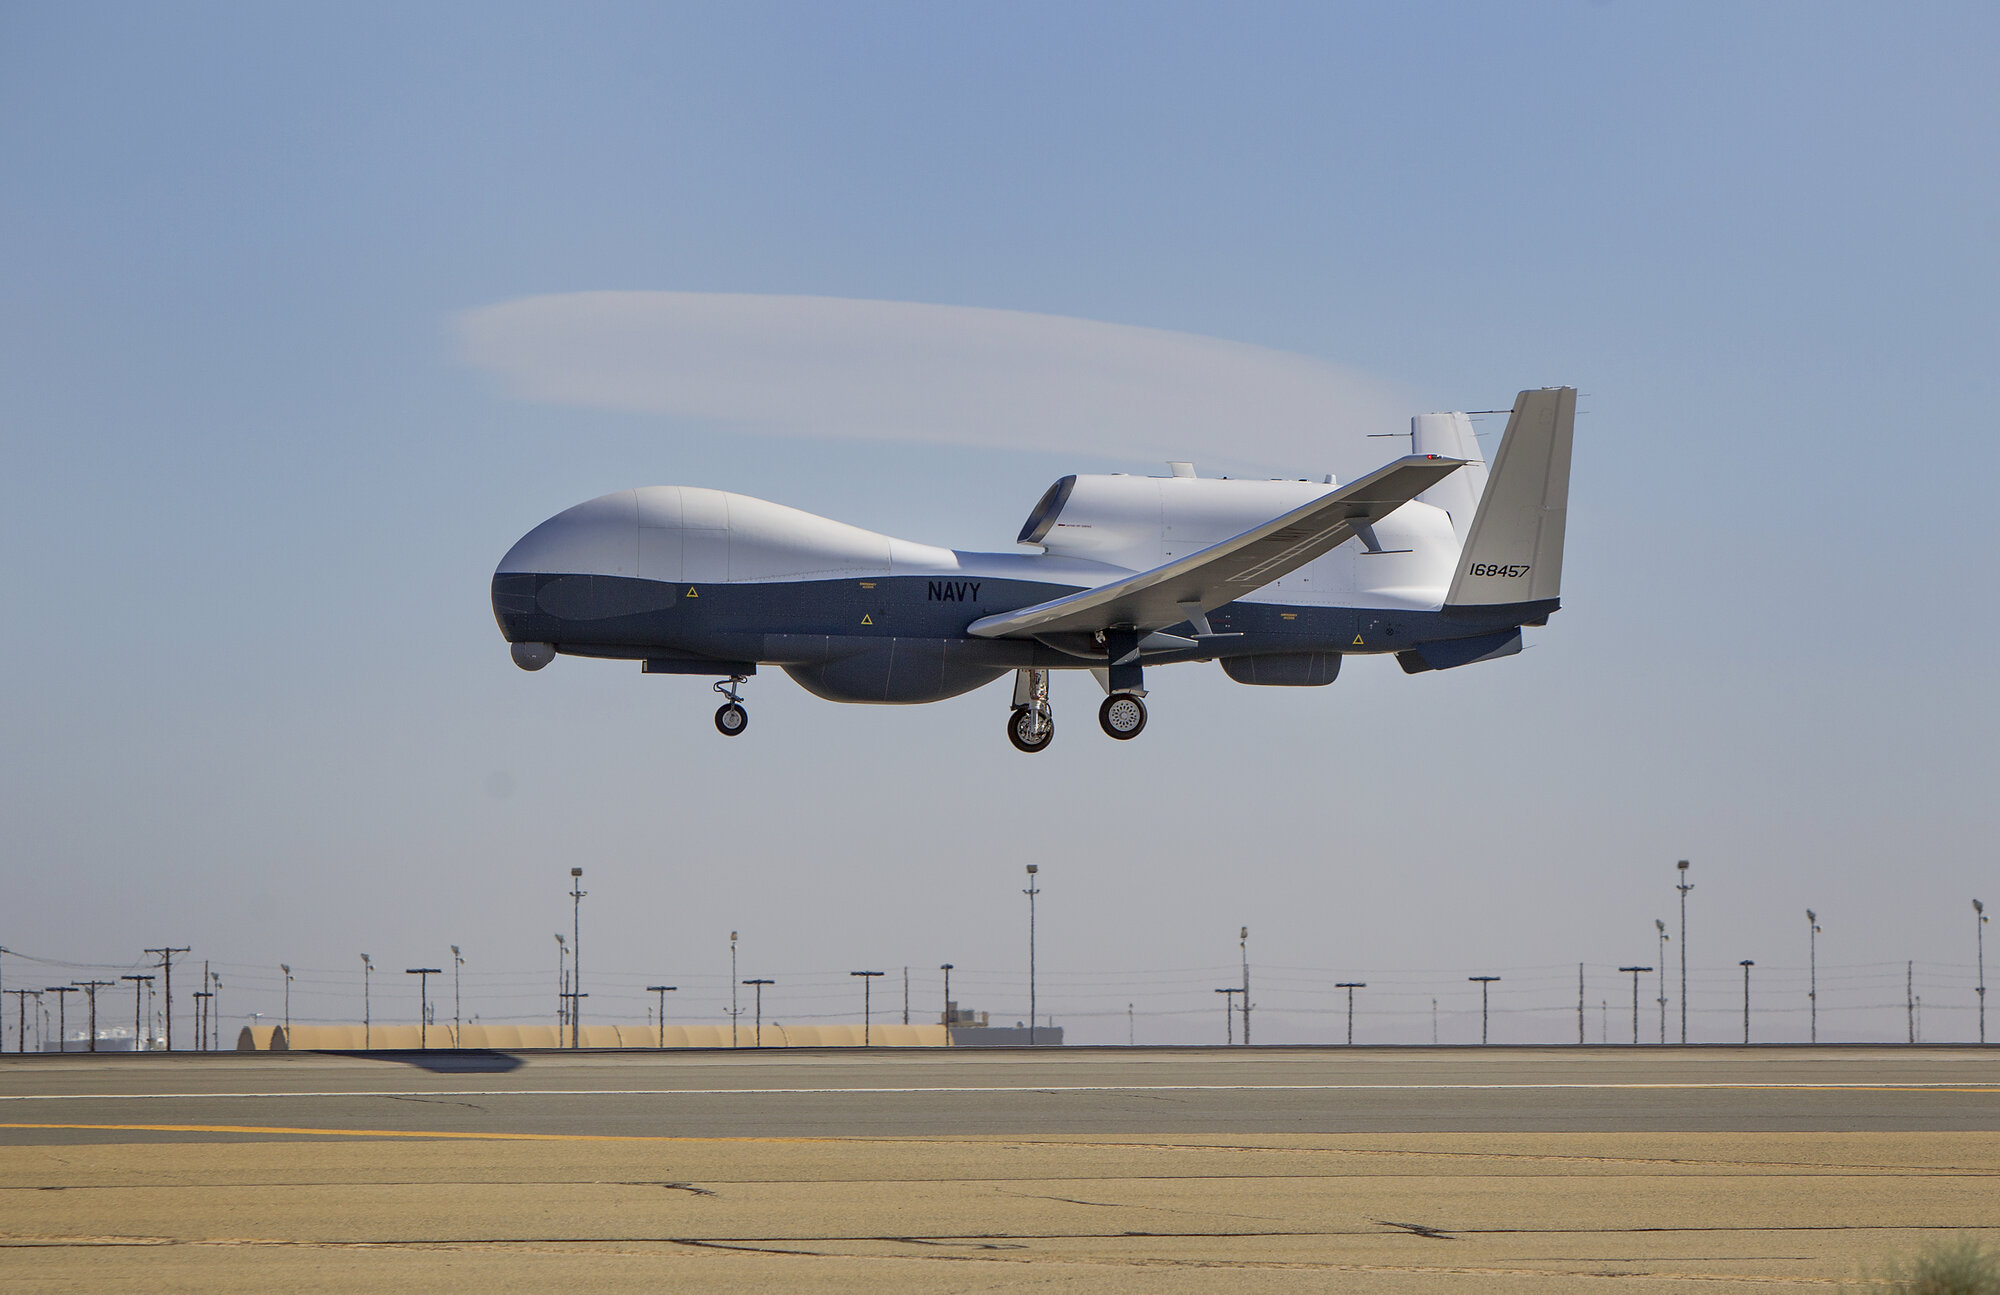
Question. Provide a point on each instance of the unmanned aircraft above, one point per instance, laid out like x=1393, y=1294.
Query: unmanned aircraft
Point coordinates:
x=1432, y=557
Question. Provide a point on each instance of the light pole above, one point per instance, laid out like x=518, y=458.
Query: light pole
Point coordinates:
x=214, y=1007
x=1746, y=964
x=867, y=984
x=732, y=989
x=662, y=991
x=760, y=1007
x=1812, y=972
x=562, y=986
x=1031, y=892
x=286, y=968
x=367, y=1018
x=1684, y=887
x=576, y=894
x=946, y=967
x=423, y=975
x=1979, y=910
x=1635, y=972
x=1229, y=1013
x=1350, y=986
x=1483, y=981
x=457, y=961
x=139, y=984
x=1661, y=927
x=1244, y=946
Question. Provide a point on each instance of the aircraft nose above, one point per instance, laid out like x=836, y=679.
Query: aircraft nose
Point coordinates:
x=598, y=538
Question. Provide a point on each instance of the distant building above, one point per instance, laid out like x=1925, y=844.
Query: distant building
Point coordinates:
x=970, y=1029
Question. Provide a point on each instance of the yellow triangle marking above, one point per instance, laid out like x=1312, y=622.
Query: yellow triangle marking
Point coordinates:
x=865, y=620
x=1357, y=641
x=692, y=593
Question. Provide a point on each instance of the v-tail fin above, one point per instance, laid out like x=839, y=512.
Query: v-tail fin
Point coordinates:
x=1514, y=551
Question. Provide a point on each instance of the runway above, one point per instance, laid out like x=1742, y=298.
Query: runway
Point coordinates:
x=1142, y=1170
x=928, y=1092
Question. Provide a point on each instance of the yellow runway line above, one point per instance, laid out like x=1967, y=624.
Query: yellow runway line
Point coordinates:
x=402, y=1133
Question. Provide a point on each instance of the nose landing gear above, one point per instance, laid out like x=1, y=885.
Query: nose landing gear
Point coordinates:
x=1032, y=724
x=730, y=718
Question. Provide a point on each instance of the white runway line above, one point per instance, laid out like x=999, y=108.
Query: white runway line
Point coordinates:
x=1890, y=1087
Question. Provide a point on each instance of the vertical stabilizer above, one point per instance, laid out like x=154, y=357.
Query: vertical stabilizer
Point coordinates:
x=1515, y=549
x=1449, y=436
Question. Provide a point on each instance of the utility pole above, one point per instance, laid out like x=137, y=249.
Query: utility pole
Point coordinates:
x=423, y=975
x=1746, y=964
x=1350, y=986
x=1812, y=971
x=946, y=967
x=201, y=1000
x=1979, y=910
x=1910, y=997
x=1484, y=982
x=1229, y=1014
x=1031, y=892
x=1661, y=927
x=732, y=989
x=576, y=894
x=1636, y=971
x=214, y=1006
x=1245, y=947
x=1131, y=1027
x=367, y=1019
x=760, y=1007
x=457, y=961
x=90, y=988
x=139, y=984
x=167, y=970
x=1434, y=1022
x=906, y=995
x=21, y=1014
x=1579, y=1004
x=867, y=982
x=1684, y=887
x=286, y=967
x=662, y=991
x=62, y=1014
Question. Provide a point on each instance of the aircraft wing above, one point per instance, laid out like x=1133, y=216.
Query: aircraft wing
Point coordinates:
x=1189, y=586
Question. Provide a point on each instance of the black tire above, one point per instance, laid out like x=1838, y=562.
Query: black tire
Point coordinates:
x=731, y=719
x=1017, y=724
x=1122, y=716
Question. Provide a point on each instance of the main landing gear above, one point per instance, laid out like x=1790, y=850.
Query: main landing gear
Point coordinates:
x=1031, y=725
x=1122, y=716
x=730, y=718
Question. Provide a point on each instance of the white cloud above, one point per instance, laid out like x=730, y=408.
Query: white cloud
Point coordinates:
x=959, y=375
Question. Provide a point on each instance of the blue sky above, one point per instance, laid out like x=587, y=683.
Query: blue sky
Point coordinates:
x=253, y=492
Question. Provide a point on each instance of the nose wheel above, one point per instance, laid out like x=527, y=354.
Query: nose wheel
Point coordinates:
x=1031, y=728
x=730, y=718
x=1122, y=716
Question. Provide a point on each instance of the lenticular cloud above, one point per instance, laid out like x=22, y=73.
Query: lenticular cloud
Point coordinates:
x=960, y=375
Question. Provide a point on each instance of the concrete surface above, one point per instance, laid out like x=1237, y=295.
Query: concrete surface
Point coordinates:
x=1387, y=1170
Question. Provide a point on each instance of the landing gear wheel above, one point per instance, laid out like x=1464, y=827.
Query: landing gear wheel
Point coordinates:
x=731, y=720
x=1122, y=716
x=1021, y=728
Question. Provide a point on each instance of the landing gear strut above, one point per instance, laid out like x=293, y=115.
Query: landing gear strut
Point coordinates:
x=1032, y=724
x=731, y=719
x=1122, y=715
